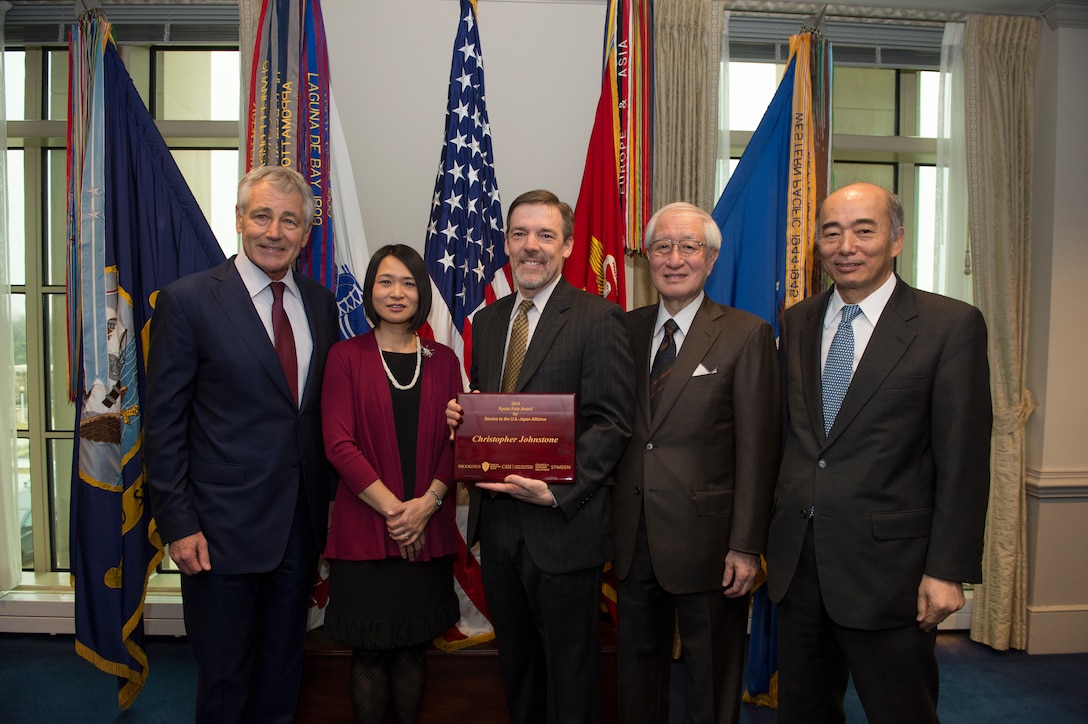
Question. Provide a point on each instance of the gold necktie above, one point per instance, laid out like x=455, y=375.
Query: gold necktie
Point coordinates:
x=515, y=351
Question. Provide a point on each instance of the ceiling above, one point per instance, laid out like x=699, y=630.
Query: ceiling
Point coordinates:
x=991, y=7
x=997, y=7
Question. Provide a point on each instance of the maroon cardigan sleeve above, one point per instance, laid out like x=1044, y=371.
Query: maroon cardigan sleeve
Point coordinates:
x=442, y=383
x=343, y=399
x=360, y=443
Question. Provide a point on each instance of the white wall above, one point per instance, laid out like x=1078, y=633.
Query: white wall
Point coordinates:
x=1056, y=456
x=390, y=65
x=1060, y=250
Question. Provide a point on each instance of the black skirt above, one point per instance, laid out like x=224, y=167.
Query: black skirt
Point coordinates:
x=390, y=603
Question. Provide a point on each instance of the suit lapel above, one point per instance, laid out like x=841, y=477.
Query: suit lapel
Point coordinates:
x=237, y=306
x=310, y=305
x=547, y=328
x=811, y=372
x=642, y=332
x=493, y=337
x=891, y=338
x=697, y=342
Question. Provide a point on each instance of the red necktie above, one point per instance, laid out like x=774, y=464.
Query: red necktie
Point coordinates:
x=285, y=338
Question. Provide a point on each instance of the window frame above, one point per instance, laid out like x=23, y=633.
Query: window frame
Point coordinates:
x=37, y=136
x=905, y=151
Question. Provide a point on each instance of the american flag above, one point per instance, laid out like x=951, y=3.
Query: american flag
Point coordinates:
x=465, y=256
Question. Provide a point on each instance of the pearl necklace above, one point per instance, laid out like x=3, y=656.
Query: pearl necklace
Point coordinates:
x=389, y=373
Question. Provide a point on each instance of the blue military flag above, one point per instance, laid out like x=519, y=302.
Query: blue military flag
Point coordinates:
x=134, y=227
x=750, y=271
x=767, y=213
x=767, y=263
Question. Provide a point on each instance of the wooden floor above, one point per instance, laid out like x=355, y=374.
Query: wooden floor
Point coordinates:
x=464, y=686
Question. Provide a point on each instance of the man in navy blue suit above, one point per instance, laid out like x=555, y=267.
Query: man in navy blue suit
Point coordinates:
x=238, y=481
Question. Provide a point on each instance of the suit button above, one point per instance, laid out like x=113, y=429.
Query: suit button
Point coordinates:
x=821, y=464
x=638, y=490
x=649, y=446
x=804, y=514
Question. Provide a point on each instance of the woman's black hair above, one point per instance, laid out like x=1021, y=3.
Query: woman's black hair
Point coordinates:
x=418, y=268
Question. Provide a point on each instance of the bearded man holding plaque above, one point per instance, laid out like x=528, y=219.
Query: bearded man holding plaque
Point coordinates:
x=543, y=546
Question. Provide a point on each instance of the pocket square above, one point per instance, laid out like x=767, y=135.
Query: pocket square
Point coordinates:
x=702, y=370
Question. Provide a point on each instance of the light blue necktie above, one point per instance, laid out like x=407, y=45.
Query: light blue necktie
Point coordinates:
x=839, y=366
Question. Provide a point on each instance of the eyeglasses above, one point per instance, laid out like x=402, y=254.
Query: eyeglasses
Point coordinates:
x=687, y=247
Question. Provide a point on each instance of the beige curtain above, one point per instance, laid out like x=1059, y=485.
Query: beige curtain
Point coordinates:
x=1000, y=55
x=687, y=53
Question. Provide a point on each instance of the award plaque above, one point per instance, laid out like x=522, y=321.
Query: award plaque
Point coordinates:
x=518, y=434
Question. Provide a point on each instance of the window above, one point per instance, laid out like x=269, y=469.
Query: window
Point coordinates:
x=884, y=112
x=195, y=99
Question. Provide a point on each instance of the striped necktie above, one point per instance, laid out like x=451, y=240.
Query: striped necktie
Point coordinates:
x=666, y=355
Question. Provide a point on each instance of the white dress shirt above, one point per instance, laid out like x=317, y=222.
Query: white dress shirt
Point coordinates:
x=871, y=309
x=683, y=320
x=260, y=292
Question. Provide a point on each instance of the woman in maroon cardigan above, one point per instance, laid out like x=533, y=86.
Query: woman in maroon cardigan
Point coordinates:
x=391, y=540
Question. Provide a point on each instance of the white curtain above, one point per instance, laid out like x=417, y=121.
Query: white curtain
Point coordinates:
x=951, y=244
x=10, y=558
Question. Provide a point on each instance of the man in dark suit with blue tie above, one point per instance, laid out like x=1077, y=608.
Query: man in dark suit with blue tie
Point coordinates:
x=238, y=481
x=542, y=547
x=881, y=497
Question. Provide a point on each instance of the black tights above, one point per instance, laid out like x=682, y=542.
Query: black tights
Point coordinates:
x=381, y=678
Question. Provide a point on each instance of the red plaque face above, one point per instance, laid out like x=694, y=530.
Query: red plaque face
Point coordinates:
x=519, y=434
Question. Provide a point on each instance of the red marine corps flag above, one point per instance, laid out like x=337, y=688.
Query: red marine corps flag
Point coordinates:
x=614, y=200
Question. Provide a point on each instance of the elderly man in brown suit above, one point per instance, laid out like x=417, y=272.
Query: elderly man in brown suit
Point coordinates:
x=694, y=488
